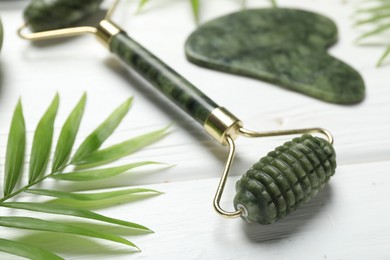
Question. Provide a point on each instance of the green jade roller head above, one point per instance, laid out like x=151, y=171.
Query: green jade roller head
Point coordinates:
x=274, y=186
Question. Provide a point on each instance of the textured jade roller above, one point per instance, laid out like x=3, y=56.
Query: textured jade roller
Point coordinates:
x=273, y=187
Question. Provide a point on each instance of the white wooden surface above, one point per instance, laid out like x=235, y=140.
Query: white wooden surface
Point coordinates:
x=349, y=220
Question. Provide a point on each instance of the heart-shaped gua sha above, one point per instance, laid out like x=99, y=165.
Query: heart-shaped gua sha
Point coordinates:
x=287, y=47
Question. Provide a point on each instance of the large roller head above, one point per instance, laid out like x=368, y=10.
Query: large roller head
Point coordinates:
x=285, y=179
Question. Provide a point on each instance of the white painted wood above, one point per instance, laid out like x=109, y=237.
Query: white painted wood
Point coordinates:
x=348, y=221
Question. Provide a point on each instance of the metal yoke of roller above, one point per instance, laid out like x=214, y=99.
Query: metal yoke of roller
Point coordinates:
x=274, y=186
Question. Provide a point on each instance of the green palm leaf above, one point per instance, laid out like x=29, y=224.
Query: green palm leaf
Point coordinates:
x=40, y=151
x=372, y=19
x=88, y=153
x=383, y=7
x=26, y=250
x=195, y=9
x=102, y=132
x=377, y=30
x=89, y=196
x=99, y=173
x=15, y=151
x=120, y=150
x=383, y=57
x=377, y=19
x=70, y=211
x=141, y=4
x=68, y=136
x=45, y=225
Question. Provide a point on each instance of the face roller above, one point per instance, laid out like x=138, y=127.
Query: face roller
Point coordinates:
x=273, y=187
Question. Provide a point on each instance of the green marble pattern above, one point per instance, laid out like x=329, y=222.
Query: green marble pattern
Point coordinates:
x=285, y=179
x=287, y=47
x=164, y=78
x=43, y=15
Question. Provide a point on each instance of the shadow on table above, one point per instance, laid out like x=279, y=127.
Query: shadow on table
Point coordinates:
x=294, y=223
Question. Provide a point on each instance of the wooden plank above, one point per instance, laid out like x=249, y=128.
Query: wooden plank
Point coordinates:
x=348, y=220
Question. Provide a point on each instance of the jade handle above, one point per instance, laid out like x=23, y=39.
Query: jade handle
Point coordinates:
x=162, y=77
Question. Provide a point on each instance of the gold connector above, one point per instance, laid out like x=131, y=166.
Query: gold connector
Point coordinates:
x=105, y=31
x=221, y=123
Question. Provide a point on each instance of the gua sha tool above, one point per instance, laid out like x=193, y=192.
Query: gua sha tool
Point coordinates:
x=274, y=186
x=287, y=47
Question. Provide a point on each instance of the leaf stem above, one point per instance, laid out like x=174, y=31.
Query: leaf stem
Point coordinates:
x=13, y=194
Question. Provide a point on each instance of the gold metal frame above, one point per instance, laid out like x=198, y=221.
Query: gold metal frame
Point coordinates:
x=225, y=128
x=105, y=30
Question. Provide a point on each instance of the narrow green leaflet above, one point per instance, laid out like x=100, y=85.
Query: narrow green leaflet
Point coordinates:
x=26, y=250
x=45, y=225
x=383, y=57
x=195, y=9
x=141, y=4
x=70, y=211
x=375, y=9
x=14, y=159
x=372, y=19
x=68, y=135
x=120, y=150
x=89, y=196
x=102, y=132
x=40, y=151
x=99, y=173
x=376, y=17
x=379, y=29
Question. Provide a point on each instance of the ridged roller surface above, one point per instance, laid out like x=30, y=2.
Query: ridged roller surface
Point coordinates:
x=284, y=179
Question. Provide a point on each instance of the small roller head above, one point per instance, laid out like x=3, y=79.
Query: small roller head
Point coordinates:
x=284, y=179
x=43, y=15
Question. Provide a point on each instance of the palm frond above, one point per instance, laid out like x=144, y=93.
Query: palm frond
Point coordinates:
x=71, y=211
x=68, y=136
x=102, y=132
x=195, y=9
x=40, y=151
x=374, y=18
x=98, y=174
x=88, y=152
x=120, y=150
x=26, y=250
x=15, y=151
x=88, y=196
x=58, y=227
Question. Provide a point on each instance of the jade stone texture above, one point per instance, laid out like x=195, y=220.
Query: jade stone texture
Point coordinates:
x=287, y=47
x=162, y=77
x=43, y=15
x=285, y=179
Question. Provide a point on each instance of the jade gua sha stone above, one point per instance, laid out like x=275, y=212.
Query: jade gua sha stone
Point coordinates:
x=287, y=47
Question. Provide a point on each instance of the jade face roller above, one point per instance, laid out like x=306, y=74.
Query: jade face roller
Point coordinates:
x=274, y=186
